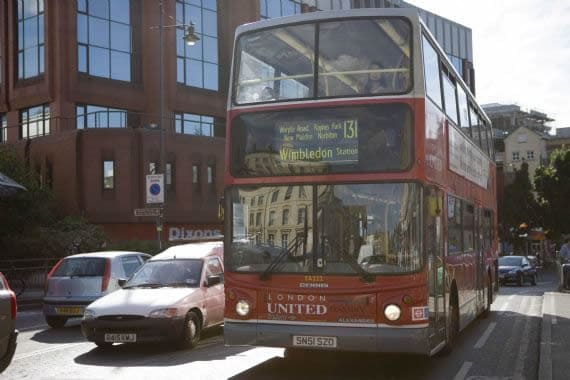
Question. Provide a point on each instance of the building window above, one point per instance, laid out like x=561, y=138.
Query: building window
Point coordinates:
x=516, y=156
x=288, y=192
x=274, y=196
x=211, y=174
x=34, y=122
x=190, y=124
x=89, y=116
x=301, y=216
x=284, y=240
x=108, y=175
x=252, y=201
x=3, y=129
x=195, y=174
x=104, y=38
x=260, y=200
x=30, y=38
x=530, y=155
x=251, y=219
x=169, y=175
x=278, y=8
x=197, y=65
x=258, y=219
x=271, y=240
x=285, y=219
x=271, y=217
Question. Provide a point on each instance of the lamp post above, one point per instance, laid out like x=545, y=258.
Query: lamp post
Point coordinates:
x=190, y=38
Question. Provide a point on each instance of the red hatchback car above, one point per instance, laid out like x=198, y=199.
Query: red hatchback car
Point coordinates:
x=8, y=332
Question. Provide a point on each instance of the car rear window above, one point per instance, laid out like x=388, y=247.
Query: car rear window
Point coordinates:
x=81, y=267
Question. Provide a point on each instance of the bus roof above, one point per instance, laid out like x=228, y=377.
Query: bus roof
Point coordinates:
x=410, y=13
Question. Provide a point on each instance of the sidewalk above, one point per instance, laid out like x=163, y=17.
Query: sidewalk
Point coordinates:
x=555, y=337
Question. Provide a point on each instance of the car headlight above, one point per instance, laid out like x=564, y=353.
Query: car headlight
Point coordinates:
x=242, y=308
x=392, y=312
x=170, y=312
x=88, y=314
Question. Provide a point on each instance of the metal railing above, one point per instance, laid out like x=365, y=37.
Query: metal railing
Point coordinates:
x=27, y=277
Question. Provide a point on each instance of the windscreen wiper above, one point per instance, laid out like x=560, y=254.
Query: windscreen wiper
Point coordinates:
x=364, y=275
x=144, y=285
x=279, y=258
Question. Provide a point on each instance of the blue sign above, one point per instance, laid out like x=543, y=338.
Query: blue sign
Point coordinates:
x=154, y=189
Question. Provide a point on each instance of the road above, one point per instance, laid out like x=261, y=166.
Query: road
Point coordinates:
x=503, y=346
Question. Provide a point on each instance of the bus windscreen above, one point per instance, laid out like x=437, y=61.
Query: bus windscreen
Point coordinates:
x=322, y=141
x=358, y=57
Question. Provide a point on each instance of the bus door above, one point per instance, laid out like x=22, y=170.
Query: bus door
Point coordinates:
x=479, y=259
x=433, y=237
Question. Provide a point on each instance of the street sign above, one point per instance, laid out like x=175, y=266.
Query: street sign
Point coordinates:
x=147, y=211
x=154, y=188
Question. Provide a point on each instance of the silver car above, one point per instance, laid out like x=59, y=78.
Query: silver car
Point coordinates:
x=77, y=280
x=8, y=332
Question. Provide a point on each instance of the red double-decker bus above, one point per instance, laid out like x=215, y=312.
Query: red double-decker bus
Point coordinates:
x=360, y=206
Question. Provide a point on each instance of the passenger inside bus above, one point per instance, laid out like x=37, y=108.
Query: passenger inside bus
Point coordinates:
x=376, y=83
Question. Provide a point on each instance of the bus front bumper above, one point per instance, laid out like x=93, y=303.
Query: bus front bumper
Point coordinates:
x=364, y=339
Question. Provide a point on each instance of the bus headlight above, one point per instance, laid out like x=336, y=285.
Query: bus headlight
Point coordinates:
x=392, y=312
x=242, y=308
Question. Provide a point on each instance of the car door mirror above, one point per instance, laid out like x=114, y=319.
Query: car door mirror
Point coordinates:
x=213, y=280
x=122, y=282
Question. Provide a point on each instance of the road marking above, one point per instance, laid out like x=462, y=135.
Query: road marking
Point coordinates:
x=483, y=339
x=463, y=371
x=553, y=311
x=46, y=350
x=506, y=304
x=525, y=338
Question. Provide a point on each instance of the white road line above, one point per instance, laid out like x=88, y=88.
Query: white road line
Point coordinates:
x=525, y=337
x=506, y=304
x=553, y=311
x=463, y=371
x=46, y=350
x=483, y=339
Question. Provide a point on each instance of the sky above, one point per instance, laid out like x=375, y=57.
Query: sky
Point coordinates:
x=521, y=51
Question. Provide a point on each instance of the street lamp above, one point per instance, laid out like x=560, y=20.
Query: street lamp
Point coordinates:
x=190, y=38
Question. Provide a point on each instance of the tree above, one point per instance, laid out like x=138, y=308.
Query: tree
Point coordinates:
x=552, y=184
x=520, y=210
x=30, y=222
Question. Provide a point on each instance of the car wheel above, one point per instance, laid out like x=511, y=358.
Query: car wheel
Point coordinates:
x=191, y=332
x=533, y=280
x=520, y=279
x=56, y=322
x=104, y=345
x=7, y=359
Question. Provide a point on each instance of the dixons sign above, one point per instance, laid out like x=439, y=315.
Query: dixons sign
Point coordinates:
x=181, y=233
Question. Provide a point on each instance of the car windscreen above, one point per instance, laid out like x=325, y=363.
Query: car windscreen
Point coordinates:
x=81, y=267
x=176, y=272
x=322, y=141
x=510, y=261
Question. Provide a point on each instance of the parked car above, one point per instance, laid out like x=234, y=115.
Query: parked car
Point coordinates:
x=516, y=269
x=8, y=332
x=172, y=297
x=77, y=280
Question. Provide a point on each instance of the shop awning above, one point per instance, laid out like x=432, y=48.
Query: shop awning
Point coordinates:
x=8, y=186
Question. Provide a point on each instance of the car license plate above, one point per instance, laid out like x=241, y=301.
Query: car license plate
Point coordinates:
x=69, y=310
x=314, y=341
x=120, y=338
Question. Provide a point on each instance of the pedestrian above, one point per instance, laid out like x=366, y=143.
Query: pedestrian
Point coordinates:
x=565, y=261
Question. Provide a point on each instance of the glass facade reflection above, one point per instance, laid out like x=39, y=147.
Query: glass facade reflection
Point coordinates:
x=30, y=38
x=34, y=122
x=197, y=65
x=340, y=229
x=89, y=116
x=191, y=124
x=104, y=38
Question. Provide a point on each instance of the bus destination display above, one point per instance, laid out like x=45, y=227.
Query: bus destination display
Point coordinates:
x=332, y=141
